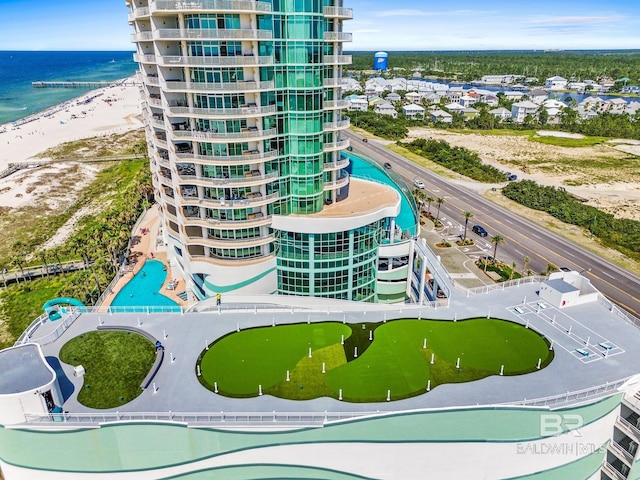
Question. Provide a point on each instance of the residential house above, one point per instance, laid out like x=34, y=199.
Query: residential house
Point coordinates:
x=470, y=112
x=511, y=95
x=413, y=97
x=431, y=97
x=413, y=111
x=591, y=103
x=556, y=83
x=454, y=107
x=454, y=94
x=393, y=97
x=520, y=110
x=615, y=105
x=357, y=103
x=538, y=96
x=632, y=108
x=500, y=113
x=385, y=108
x=490, y=100
x=350, y=84
x=441, y=116
x=468, y=100
x=586, y=114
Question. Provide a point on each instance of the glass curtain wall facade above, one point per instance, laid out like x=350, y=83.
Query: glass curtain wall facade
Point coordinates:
x=242, y=101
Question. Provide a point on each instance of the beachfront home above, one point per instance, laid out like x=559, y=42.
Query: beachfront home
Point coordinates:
x=520, y=110
x=500, y=113
x=413, y=111
x=556, y=83
x=385, y=108
x=440, y=116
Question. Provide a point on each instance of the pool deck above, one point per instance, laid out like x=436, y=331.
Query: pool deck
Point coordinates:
x=145, y=246
x=186, y=335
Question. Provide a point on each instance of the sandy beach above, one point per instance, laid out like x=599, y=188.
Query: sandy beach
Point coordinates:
x=110, y=110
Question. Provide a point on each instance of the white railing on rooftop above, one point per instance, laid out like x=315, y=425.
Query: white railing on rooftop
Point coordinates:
x=573, y=397
x=235, y=419
x=64, y=324
x=231, y=5
x=617, y=311
x=498, y=286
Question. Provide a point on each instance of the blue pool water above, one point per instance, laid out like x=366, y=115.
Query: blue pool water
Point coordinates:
x=143, y=290
x=361, y=168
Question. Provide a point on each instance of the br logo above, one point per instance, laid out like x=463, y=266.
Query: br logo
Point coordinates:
x=556, y=424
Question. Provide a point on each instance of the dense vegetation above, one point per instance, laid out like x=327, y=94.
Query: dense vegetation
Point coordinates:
x=458, y=159
x=472, y=65
x=618, y=233
x=383, y=126
x=99, y=241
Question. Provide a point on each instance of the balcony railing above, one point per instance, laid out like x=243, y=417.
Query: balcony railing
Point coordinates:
x=613, y=472
x=338, y=12
x=226, y=5
x=140, y=12
x=223, y=112
x=247, y=135
x=333, y=146
x=141, y=37
x=620, y=451
x=137, y=57
x=335, y=104
x=248, y=181
x=337, y=59
x=338, y=37
x=245, y=60
x=342, y=163
x=331, y=82
x=225, y=160
x=629, y=427
x=235, y=242
x=154, y=102
x=228, y=204
x=151, y=80
x=212, y=34
x=334, y=126
x=257, y=221
x=248, y=86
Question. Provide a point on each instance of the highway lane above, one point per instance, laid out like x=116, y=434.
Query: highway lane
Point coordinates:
x=522, y=237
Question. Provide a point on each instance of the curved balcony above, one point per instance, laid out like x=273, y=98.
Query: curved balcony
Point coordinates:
x=337, y=59
x=224, y=137
x=335, y=104
x=258, y=220
x=161, y=143
x=339, y=165
x=158, y=124
x=241, y=112
x=338, y=37
x=226, y=160
x=229, y=204
x=154, y=102
x=249, y=86
x=335, y=146
x=141, y=37
x=238, y=61
x=336, y=184
x=149, y=80
x=140, y=12
x=232, y=243
x=331, y=82
x=211, y=34
x=338, y=12
x=222, y=6
x=249, y=181
x=335, y=126
x=137, y=57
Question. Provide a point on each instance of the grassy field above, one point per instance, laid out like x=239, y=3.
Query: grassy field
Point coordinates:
x=395, y=359
x=115, y=364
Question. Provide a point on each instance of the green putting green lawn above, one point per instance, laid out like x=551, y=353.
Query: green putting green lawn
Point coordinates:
x=374, y=359
x=115, y=363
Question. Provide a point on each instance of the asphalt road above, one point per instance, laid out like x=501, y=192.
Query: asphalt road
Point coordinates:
x=522, y=237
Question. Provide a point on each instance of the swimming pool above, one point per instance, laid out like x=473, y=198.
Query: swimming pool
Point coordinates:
x=144, y=289
x=361, y=168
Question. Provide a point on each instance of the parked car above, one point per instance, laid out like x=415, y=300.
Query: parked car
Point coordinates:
x=565, y=269
x=479, y=230
x=387, y=165
x=512, y=178
x=418, y=183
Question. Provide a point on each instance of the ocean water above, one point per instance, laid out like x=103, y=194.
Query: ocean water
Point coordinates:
x=18, y=99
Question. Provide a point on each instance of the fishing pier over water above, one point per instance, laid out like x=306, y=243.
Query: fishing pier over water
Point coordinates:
x=97, y=84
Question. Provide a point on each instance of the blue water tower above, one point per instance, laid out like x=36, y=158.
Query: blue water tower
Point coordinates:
x=380, y=60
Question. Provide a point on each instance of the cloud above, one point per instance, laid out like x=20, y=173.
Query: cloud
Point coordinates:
x=581, y=20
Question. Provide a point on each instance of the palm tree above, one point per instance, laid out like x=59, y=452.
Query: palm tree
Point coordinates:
x=420, y=197
x=439, y=201
x=467, y=216
x=18, y=261
x=496, y=240
x=513, y=270
x=525, y=262
x=43, y=256
x=429, y=199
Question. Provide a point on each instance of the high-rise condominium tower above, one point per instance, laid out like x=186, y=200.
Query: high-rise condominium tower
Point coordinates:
x=245, y=133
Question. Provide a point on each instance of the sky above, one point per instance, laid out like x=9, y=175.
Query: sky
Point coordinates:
x=376, y=25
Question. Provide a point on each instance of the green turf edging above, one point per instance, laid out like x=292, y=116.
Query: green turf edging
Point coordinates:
x=392, y=360
x=115, y=363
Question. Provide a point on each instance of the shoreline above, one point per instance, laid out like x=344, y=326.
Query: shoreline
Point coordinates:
x=102, y=111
